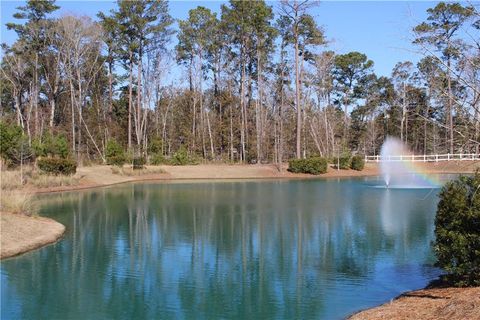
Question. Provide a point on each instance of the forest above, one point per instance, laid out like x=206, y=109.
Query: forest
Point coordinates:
x=259, y=85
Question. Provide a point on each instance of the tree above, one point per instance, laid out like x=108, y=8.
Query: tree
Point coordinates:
x=32, y=41
x=79, y=47
x=111, y=38
x=349, y=70
x=303, y=33
x=196, y=39
x=402, y=76
x=14, y=70
x=457, y=230
x=249, y=33
x=438, y=35
x=144, y=27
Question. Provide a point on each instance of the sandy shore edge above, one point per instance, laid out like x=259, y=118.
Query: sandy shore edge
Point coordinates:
x=428, y=304
x=20, y=233
x=102, y=176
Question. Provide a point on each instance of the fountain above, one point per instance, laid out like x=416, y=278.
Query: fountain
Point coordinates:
x=397, y=171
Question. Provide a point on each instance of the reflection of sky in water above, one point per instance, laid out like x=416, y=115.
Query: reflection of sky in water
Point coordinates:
x=268, y=249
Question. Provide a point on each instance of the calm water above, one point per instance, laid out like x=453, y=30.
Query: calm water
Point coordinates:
x=315, y=249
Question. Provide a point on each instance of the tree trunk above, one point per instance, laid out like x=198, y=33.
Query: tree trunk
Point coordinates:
x=79, y=105
x=110, y=98
x=130, y=102
x=242, y=106
x=404, y=111
x=258, y=112
x=138, y=122
x=450, y=107
x=52, y=112
x=35, y=93
x=72, y=103
x=210, y=136
x=297, y=96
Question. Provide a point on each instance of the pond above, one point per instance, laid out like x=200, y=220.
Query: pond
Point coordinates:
x=271, y=249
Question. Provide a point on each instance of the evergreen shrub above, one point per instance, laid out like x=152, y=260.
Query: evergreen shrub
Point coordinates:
x=457, y=231
x=10, y=139
x=51, y=146
x=358, y=163
x=158, y=159
x=344, y=161
x=114, y=153
x=314, y=165
x=181, y=158
x=138, y=163
x=57, y=166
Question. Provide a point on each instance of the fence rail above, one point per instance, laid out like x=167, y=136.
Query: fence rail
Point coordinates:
x=425, y=157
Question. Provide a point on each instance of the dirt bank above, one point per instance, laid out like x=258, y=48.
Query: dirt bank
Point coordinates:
x=20, y=233
x=429, y=304
x=97, y=176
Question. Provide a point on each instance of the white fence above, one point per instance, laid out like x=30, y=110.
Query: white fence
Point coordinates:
x=425, y=157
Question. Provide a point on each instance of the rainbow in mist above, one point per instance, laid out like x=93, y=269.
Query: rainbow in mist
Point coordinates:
x=402, y=174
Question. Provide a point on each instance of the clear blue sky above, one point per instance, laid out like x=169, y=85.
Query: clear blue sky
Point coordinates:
x=380, y=29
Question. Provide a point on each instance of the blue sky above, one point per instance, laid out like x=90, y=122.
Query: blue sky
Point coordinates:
x=380, y=29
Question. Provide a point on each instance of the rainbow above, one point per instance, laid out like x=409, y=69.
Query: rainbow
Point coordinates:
x=403, y=174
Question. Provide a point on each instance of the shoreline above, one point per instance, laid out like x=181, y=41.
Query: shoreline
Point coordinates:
x=21, y=233
x=102, y=176
x=206, y=172
x=430, y=303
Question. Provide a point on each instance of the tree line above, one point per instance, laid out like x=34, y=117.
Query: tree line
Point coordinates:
x=257, y=83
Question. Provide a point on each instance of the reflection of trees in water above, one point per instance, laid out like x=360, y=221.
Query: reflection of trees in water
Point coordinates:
x=263, y=248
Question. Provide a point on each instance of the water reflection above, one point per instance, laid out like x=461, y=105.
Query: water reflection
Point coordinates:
x=299, y=249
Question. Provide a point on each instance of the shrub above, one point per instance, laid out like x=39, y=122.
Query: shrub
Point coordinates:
x=61, y=147
x=314, y=165
x=181, y=158
x=155, y=146
x=358, y=163
x=457, y=231
x=344, y=162
x=51, y=146
x=114, y=153
x=57, y=166
x=10, y=140
x=158, y=159
x=138, y=162
x=296, y=165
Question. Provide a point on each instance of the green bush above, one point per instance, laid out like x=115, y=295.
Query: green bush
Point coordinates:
x=457, y=231
x=155, y=146
x=10, y=139
x=114, y=153
x=57, y=166
x=138, y=163
x=296, y=165
x=158, y=159
x=344, y=161
x=50, y=146
x=315, y=165
x=181, y=158
x=61, y=146
x=358, y=163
